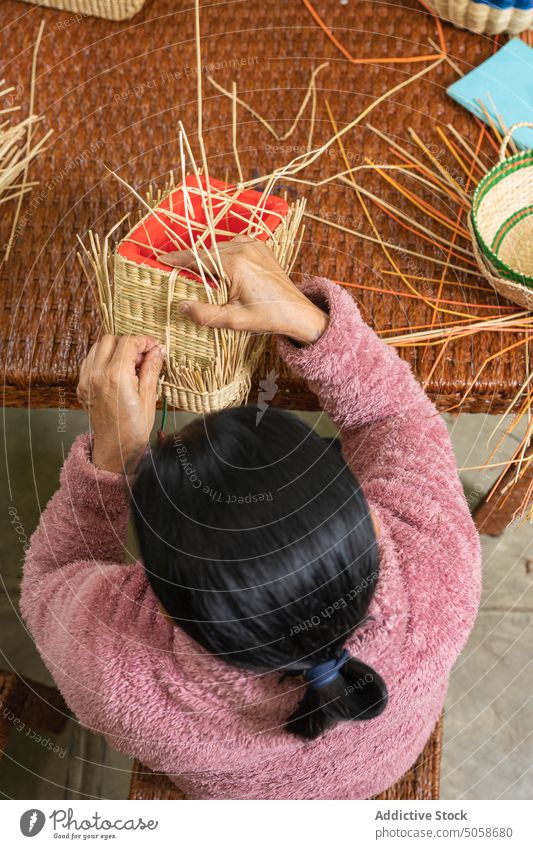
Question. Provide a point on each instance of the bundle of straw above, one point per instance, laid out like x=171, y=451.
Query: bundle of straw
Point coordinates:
x=14, y=154
x=17, y=149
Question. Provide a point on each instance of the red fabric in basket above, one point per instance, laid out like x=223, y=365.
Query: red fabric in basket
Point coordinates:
x=152, y=231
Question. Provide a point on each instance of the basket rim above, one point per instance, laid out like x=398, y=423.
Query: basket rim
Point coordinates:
x=187, y=281
x=518, y=294
x=523, y=159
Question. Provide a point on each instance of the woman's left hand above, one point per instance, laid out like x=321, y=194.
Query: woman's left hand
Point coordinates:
x=118, y=388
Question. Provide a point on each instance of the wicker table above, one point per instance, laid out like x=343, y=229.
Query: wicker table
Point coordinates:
x=114, y=92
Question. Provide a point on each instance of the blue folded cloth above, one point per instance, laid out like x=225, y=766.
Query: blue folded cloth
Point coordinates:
x=507, y=4
x=505, y=83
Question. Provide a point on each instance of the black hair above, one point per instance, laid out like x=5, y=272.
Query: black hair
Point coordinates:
x=258, y=542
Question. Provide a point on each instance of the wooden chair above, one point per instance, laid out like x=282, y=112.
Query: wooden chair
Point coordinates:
x=421, y=782
x=35, y=705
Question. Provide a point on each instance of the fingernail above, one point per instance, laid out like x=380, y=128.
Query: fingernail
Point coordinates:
x=163, y=351
x=184, y=306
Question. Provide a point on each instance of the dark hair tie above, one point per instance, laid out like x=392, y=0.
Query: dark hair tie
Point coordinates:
x=324, y=673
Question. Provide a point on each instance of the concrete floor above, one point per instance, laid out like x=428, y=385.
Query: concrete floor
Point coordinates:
x=488, y=749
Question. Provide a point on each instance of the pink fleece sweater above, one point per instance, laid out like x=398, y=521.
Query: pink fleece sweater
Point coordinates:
x=156, y=695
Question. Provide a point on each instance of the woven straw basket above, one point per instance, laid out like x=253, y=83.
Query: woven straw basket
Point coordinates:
x=501, y=224
x=113, y=10
x=489, y=17
x=207, y=369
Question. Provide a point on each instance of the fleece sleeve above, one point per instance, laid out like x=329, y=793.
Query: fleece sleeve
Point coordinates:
x=398, y=448
x=87, y=611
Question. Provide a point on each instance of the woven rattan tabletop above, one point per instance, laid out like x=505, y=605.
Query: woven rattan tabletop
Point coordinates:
x=114, y=92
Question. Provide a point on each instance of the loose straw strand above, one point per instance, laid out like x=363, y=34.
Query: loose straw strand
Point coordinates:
x=28, y=139
x=234, y=130
x=198, y=66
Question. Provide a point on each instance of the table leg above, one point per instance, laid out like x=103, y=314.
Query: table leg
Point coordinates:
x=494, y=515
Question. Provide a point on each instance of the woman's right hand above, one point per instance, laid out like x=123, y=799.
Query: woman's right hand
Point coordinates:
x=262, y=298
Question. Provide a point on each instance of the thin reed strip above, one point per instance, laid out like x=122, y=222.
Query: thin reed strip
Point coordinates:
x=305, y=159
x=310, y=93
x=469, y=178
x=391, y=245
x=419, y=229
x=421, y=204
x=373, y=60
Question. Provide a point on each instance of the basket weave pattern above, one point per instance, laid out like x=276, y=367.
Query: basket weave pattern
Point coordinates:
x=482, y=18
x=112, y=10
x=232, y=395
x=140, y=305
x=207, y=369
x=515, y=292
x=502, y=214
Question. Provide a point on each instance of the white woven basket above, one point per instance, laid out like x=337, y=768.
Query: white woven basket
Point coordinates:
x=482, y=17
x=501, y=224
x=112, y=10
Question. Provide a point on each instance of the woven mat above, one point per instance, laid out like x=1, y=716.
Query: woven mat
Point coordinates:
x=114, y=93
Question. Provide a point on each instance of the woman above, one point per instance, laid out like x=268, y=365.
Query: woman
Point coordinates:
x=291, y=629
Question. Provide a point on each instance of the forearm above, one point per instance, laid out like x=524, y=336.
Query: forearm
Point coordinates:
x=356, y=377
x=398, y=448
x=389, y=428
x=85, y=520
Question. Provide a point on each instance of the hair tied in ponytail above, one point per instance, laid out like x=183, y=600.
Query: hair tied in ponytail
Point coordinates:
x=342, y=689
x=324, y=673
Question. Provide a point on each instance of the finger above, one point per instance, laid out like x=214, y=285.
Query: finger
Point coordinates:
x=242, y=239
x=127, y=351
x=87, y=364
x=104, y=350
x=179, y=259
x=94, y=365
x=81, y=395
x=190, y=260
x=149, y=372
x=86, y=369
x=214, y=315
x=187, y=258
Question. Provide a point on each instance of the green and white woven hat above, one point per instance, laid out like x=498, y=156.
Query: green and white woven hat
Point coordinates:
x=502, y=215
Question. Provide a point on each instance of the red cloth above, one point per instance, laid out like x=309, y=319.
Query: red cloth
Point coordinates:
x=153, y=232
